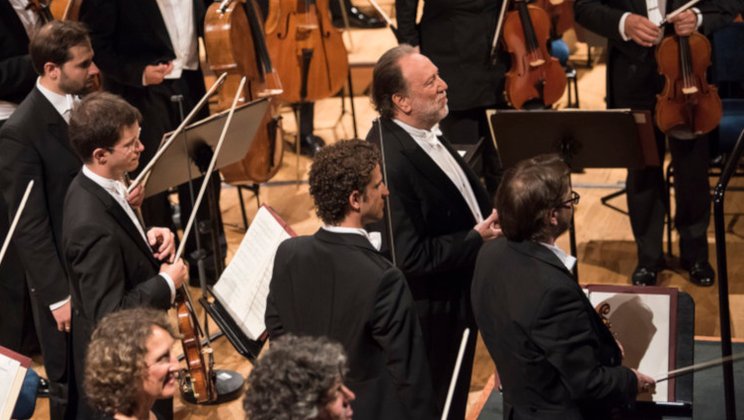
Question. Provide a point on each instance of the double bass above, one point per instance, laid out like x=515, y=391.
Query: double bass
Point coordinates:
x=235, y=44
x=534, y=76
x=306, y=48
x=688, y=106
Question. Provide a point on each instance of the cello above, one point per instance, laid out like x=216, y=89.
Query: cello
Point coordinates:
x=534, y=75
x=688, y=106
x=307, y=49
x=235, y=44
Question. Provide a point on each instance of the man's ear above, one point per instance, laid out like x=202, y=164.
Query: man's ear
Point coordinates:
x=355, y=200
x=51, y=70
x=100, y=156
x=402, y=102
x=553, y=217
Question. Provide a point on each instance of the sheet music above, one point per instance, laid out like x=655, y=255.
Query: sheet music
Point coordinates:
x=11, y=379
x=244, y=285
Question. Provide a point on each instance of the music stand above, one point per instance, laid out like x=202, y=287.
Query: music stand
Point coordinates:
x=243, y=345
x=618, y=138
x=170, y=170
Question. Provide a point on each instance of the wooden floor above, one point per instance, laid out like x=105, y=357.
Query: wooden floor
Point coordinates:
x=606, y=250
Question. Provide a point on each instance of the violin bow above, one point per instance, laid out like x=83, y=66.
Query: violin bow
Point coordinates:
x=497, y=32
x=16, y=218
x=145, y=172
x=681, y=9
x=455, y=372
x=385, y=17
x=388, y=210
x=700, y=366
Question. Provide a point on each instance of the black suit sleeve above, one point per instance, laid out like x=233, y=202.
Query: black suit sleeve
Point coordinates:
x=395, y=327
x=102, y=19
x=17, y=77
x=95, y=262
x=274, y=325
x=420, y=252
x=405, y=12
x=562, y=330
x=716, y=14
x=33, y=237
x=598, y=17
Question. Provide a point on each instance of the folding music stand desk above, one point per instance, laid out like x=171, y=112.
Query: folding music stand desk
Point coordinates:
x=618, y=138
x=178, y=165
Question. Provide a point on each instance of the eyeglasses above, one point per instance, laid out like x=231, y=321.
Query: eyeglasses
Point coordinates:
x=129, y=147
x=574, y=200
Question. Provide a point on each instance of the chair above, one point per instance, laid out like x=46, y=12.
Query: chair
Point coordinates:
x=727, y=72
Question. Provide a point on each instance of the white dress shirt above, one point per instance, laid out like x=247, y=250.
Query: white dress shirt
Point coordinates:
x=118, y=191
x=178, y=16
x=374, y=238
x=62, y=103
x=568, y=261
x=429, y=142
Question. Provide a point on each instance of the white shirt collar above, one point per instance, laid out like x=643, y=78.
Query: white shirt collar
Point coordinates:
x=374, y=238
x=568, y=260
x=62, y=103
x=110, y=185
x=427, y=136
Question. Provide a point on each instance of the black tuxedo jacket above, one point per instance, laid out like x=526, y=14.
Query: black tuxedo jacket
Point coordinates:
x=111, y=267
x=35, y=147
x=17, y=76
x=632, y=76
x=337, y=285
x=555, y=357
x=456, y=35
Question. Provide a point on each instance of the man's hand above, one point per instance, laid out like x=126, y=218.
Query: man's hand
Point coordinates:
x=62, y=316
x=489, y=228
x=178, y=271
x=155, y=74
x=685, y=23
x=641, y=30
x=163, y=242
x=136, y=197
x=645, y=383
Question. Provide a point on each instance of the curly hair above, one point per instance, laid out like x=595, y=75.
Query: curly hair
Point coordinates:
x=294, y=379
x=529, y=191
x=387, y=79
x=337, y=171
x=115, y=361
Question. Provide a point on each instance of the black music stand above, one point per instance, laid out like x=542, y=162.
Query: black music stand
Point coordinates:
x=243, y=345
x=584, y=139
x=200, y=140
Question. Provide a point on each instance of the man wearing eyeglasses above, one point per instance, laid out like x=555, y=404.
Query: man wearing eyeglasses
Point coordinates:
x=555, y=357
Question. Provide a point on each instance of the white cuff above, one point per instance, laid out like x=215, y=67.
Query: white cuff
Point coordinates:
x=621, y=26
x=57, y=305
x=699, y=16
x=171, y=285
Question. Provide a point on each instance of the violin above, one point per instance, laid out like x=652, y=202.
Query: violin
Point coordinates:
x=198, y=379
x=561, y=15
x=534, y=75
x=306, y=48
x=688, y=106
x=235, y=44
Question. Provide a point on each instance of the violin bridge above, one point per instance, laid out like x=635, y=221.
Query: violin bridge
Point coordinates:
x=537, y=62
x=690, y=90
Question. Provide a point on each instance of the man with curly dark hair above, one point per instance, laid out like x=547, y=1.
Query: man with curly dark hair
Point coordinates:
x=299, y=378
x=129, y=364
x=336, y=283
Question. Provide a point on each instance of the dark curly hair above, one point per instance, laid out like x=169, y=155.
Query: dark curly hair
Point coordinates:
x=337, y=171
x=294, y=379
x=529, y=191
x=115, y=361
x=387, y=79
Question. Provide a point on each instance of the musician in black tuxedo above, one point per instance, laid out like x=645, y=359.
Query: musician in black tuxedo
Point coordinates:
x=35, y=147
x=113, y=263
x=148, y=53
x=631, y=29
x=456, y=36
x=337, y=284
x=440, y=212
x=555, y=357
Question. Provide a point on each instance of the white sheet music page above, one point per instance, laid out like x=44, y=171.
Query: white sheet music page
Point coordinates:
x=12, y=372
x=244, y=285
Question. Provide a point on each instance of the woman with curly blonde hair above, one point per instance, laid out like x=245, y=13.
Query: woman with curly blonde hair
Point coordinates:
x=129, y=364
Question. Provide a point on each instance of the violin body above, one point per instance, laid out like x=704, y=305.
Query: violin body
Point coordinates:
x=688, y=106
x=197, y=379
x=561, y=15
x=234, y=42
x=294, y=27
x=534, y=74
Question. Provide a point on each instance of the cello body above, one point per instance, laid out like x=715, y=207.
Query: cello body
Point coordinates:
x=234, y=42
x=688, y=106
x=294, y=27
x=534, y=74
